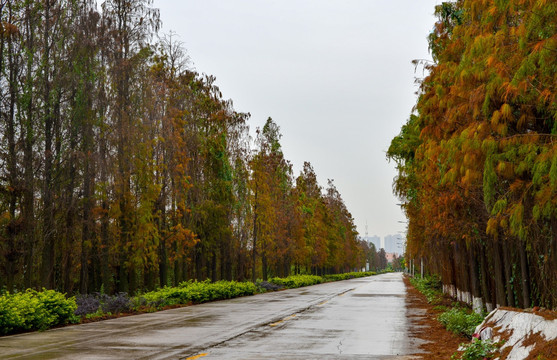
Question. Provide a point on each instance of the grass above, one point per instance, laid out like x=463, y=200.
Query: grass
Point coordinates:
x=461, y=321
x=430, y=286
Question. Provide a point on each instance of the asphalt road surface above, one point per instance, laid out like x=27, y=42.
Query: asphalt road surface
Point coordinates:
x=362, y=318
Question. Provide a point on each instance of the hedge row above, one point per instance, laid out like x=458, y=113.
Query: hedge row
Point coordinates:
x=35, y=310
x=192, y=292
x=296, y=281
x=346, y=276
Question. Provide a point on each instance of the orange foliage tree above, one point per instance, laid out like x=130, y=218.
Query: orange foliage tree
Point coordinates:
x=476, y=160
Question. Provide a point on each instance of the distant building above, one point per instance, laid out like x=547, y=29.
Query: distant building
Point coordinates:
x=375, y=240
x=391, y=243
x=394, y=244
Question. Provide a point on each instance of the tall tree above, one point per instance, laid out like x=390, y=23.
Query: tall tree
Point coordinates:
x=475, y=160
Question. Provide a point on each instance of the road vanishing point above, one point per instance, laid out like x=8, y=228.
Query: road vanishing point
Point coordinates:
x=364, y=318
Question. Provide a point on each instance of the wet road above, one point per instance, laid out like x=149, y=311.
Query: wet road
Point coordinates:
x=355, y=319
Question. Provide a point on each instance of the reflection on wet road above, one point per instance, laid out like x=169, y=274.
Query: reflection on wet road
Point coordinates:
x=354, y=319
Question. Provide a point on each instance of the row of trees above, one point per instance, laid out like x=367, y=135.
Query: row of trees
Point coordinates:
x=123, y=169
x=477, y=160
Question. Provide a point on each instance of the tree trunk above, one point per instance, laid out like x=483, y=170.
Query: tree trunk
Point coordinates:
x=14, y=225
x=163, y=258
x=507, y=256
x=214, y=261
x=485, y=275
x=29, y=184
x=132, y=283
x=524, y=275
x=264, y=264
x=86, y=227
x=499, y=274
x=254, y=245
x=474, y=278
x=47, y=271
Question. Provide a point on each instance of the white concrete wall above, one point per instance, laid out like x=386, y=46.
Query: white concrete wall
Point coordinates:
x=520, y=325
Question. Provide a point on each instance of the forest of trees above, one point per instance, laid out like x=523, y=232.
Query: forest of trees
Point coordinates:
x=121, y=168
x=477, y=159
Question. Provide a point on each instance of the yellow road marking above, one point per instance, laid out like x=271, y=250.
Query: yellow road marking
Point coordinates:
x=197, y=356
x=280, y=321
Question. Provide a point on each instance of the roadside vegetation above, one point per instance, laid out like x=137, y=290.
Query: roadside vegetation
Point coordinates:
x=35, y=310
x=461, y=320
x=40, y=310
x=457, y=318
x=296, y=281
x=477, y=350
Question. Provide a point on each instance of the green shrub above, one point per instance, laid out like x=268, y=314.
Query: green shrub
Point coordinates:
x=346, y=276
x=97, y=314
x=198, y=292
x=35, y=310
x=477, y=350
x=430, y=286
x=296, y=281
x=460, y=321
x=59, y=309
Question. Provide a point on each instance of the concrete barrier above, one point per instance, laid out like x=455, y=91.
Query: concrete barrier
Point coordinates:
x=522, y=331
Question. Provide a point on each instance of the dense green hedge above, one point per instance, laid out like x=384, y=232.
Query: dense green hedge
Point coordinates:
x=35, y=310
x=296, y=281
x=199, y=292
x=346, y=276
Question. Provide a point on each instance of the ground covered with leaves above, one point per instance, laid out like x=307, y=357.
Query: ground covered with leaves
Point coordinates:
x=440, y=343
x=446, y=326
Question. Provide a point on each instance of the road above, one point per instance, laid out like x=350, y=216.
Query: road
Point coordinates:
x=362, y=318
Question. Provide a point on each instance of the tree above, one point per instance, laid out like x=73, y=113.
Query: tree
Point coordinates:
x=122, y=169
x=474, y=161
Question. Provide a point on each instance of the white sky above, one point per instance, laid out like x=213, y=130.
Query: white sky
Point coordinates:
x=336, y=76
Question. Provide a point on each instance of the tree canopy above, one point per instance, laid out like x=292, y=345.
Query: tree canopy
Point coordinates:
x=477, y=160
x=123, y=169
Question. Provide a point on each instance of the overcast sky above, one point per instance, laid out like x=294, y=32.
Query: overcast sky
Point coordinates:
x=336, y=76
